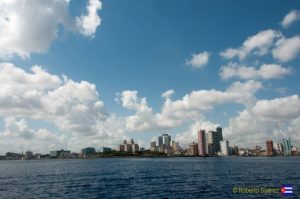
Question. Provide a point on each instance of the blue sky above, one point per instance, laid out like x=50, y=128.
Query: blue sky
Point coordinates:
x=145, y=46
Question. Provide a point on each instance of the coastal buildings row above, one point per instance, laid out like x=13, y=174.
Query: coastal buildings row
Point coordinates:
x=212, y=144
x=209, y=143
x=165, y=145
x=129, y=147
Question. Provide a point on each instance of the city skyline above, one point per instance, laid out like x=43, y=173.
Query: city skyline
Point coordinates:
x=209, y=144
x=94, y=73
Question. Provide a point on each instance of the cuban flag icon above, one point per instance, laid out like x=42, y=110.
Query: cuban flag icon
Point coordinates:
x=286, y=189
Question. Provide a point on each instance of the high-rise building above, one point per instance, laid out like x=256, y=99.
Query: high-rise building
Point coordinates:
x=135, y=148
x=280, y=148
x=160, y=141
x=213, y=142
x=220, y=134
x=224, y=145
x=153, y=146
x=121, y=147
x=193, y=149
x=175, y=146
x=269, y=144
x=201, y=143
x=287, y=146
x=130, y=147
x=166, y=140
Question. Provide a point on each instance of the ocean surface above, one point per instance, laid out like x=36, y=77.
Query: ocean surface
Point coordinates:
x=148, y=177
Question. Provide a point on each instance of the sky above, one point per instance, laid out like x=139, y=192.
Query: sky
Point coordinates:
x=92, y=73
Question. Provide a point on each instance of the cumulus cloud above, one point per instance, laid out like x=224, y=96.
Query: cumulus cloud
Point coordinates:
x=168, y=94
x=31, y=26
x=199, y=60
x=78, y=114
x=190, y=108
x=287, y=49
x=18, y=136
x=74, y=108
x=278, y=109
x=87, y=24
x=258, y=44
x=143, y=117
x=290, y=18
x=267, y=119
x=266, y=71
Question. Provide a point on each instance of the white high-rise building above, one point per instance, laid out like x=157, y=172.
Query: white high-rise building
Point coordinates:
x=224, y=144
x=166, y=139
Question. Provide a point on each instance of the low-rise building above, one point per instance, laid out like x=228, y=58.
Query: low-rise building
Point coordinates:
x=193, y=149
x=106, y=149
x=60, y=154
x=89, y=151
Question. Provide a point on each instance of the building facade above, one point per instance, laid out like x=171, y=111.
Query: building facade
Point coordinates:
x=287, y=146
x=166, y=139
x=88, y=151
x=193, y=149
x=60, y=154
x=269, y=144
x=213, y=141
x=201, y=143
x=153, y=146
x=129, y=147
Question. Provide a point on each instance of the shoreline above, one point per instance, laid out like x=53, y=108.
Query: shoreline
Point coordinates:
x=125, y=157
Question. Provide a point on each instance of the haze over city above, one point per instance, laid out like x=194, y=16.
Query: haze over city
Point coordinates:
x=94, y=73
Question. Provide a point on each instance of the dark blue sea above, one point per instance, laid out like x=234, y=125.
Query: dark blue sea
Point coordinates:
x=148, y=177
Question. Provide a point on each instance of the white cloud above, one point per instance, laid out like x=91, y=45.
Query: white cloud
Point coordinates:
x=258, y=44
x=87, y=24
x=281, y=90
x=74, y=108
x=143, y=117
x=290, y=18
x=287, y=49
x=31, y=26
x=17, y=136
x=168, y=94
x=189, y=108
x=266, y=71
x=131, y=101
x=267, y=119
x=199, y=60
x=278, y=109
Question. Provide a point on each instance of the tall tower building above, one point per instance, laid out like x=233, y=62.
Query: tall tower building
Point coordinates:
x=269, y=144
x=280, y=148
x=287, y=146
x=213, y=142
x=160, y=141
x=166, y=139
x=201, y=143
x=220, y=134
